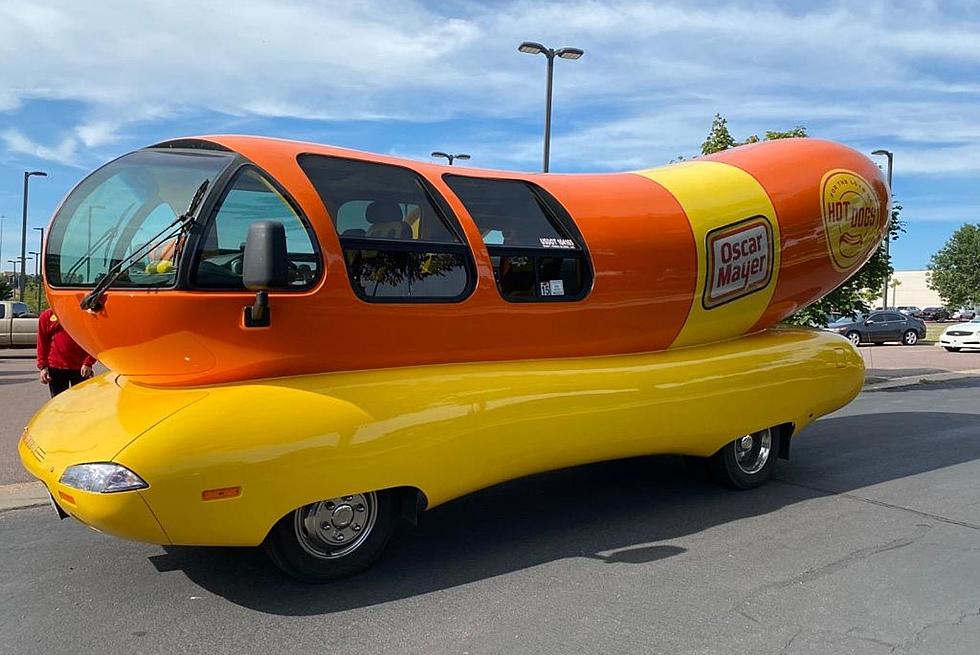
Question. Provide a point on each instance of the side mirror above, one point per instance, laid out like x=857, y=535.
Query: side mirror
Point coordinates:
x=869, y=322
x=265, y=266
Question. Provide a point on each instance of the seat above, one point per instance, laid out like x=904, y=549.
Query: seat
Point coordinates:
x=386, y=221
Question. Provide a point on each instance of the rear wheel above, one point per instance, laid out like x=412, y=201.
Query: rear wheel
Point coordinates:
x=746, y=462
x=333, y=538
x=854, y=337
x=952, y=349
x=910, y=338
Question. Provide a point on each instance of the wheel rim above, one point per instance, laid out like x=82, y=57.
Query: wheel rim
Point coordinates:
x=752, y=451
x=911, y=338
x=854, y=338
x=334, y=528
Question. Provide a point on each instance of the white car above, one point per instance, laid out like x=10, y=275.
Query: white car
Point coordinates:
x=962, y=335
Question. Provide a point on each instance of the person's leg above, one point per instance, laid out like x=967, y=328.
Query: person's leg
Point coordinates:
x=60, y=379
x=75, y=377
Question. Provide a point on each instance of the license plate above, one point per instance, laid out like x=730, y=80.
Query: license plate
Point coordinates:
x=54, y=505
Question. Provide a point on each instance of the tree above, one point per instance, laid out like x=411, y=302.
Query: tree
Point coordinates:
x=955, y=269
x=853, y=295
x=6, y=290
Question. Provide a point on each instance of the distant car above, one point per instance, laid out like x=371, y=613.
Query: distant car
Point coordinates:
x=933, y=314
x=961, y=335
x=909, y=310
x=18, y=326
x=964, y=314
x=879, y=327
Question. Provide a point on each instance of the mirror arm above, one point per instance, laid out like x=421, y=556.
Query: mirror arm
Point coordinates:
x=258, y=315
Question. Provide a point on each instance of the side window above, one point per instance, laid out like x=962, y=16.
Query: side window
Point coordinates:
x=251, y=197
x=18, y=309
x=894, y=317
x=400, y=240
x=536, y=252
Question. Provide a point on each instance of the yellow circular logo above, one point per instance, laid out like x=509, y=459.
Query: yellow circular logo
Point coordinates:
x=852, y=218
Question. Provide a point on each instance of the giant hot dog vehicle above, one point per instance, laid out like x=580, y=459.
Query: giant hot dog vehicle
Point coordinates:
x=308, y=343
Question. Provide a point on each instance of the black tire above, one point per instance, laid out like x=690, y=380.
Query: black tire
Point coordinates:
x=952, y=349
x=910, y=338
x=879, y=343
x=854, y=337
x=286, y=549
x=727, y=471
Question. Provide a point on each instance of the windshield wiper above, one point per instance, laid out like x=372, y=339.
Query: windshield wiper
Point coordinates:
x=176, y=229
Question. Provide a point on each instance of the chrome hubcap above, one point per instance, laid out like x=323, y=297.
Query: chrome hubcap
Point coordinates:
x=911, y=338
x=855, y=338
x=752, y=451
x=333, y=528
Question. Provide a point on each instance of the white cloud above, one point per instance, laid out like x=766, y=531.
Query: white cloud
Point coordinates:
x=652, y=75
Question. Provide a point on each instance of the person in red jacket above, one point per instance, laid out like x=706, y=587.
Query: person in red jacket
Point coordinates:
x=62, y=362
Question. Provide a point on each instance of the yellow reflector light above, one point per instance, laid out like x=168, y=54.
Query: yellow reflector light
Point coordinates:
x=224, y=492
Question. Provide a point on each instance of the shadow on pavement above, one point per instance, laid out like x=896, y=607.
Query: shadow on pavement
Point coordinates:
x=618, y=512
x=972, y=382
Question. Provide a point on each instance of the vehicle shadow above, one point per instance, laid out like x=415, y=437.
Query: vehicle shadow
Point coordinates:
x=623, y=513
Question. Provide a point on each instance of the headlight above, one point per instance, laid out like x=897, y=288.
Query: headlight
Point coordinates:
x=102, y=478
x=843, y=330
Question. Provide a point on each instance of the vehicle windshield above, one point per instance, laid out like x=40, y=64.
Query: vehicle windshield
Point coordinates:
x=847, y=318
x=122, y=207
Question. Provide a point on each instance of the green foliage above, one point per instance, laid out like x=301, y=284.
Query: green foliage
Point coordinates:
x=30, y=296
x=860, y=291
x=719, y=138
x=6, y=289
x=955, y=269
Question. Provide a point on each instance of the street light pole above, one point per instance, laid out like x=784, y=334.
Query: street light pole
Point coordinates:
x=2, y=217
x=532, y=48
x=23, y=233
x=37, y=268
x=461, y=156
x=888, y=235
x=37, y=277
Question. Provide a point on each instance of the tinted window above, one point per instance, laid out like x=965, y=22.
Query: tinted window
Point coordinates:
x=252, y=198
x=535, y=254
x=399, y=238
x=18, y=309
x=893, y=317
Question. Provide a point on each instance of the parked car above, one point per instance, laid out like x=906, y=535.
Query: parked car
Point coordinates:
x=879, y=327
x=18, y=327
x=938, y=314
x=964, y=314
x=962, y=335
x=909, y=310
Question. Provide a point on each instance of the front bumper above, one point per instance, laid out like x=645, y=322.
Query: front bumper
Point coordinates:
x=970, y=341
x=124, y=514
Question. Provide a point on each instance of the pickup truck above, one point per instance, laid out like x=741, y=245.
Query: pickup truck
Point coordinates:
x=18, y=327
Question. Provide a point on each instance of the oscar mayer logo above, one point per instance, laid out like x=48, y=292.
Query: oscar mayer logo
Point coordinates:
x=852, y=218
x=739, y=261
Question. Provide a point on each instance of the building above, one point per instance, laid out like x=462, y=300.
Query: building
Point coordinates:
x=913, y=290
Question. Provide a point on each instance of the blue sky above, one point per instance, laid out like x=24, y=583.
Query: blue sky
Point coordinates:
x=79, y=86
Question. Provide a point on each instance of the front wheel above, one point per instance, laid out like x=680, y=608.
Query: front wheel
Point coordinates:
x=910, y=338
x=952, y=349
x=747, y=462
x=333, y=538
x=854, y=337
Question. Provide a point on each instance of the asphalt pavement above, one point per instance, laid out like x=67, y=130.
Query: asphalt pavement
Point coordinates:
x=867, y=542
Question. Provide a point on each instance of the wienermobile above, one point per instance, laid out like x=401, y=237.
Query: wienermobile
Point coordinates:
x=307, y=344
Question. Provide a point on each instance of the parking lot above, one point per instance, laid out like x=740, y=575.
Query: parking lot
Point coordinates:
x=867, y=542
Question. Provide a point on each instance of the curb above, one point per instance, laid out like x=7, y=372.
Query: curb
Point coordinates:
x=23, y=495
x=913, y=380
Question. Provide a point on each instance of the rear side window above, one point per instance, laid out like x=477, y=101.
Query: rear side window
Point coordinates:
x=250, y=198
x=400, y=240
x=536, y=251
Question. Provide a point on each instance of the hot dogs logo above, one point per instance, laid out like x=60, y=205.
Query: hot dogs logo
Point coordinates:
x=852, y=218
x=739, y=261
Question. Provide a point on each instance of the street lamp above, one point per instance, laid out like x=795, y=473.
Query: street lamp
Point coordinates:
x=23, y=233
x=446, y=155
x=37, y=271
x=888, y=235
x=37, y=276
x=2, y=217
x=532, y=48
